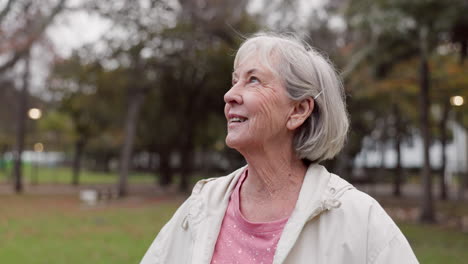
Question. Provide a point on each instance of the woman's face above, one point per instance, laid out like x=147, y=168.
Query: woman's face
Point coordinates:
x=257, y=106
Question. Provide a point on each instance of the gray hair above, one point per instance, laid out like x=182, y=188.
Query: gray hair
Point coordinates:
x=305, y=73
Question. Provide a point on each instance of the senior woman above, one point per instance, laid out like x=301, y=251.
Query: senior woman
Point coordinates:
x=285, y=113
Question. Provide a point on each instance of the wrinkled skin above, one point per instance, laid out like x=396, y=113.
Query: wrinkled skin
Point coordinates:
x=260, y=96
x=265, y=139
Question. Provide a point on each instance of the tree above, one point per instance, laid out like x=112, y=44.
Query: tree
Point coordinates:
x=201, y=71
x=142, y=21
x=80, y=88
x=56, y=130
x=429, y=20
x=7, y=117
x=148, y=52
x=449, y=79
x=399, y=88
x=21, y=127
x=23, y=24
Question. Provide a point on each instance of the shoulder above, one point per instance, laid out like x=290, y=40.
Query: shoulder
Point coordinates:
x=369, y=208
x=359, y=201
x=357, y=212
x=364, y=207
x=179, y=231
x=355, y=202
x=385, y=241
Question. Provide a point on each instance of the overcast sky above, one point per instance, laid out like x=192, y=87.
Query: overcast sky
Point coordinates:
x=72, y=30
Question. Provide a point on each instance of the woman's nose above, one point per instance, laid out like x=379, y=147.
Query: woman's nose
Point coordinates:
x=233, y=96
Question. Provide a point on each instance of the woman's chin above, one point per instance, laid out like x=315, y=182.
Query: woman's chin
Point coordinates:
x=231, y=142
x=236, y=142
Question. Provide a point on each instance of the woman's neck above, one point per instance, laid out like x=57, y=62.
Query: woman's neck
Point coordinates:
x=273, y=184
x=274, y=172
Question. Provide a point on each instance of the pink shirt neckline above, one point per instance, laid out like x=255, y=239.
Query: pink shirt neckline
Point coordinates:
x=242, y=241
x=253, y=227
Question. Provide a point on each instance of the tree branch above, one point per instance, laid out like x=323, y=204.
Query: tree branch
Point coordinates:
x=42, y=27
x=355, y=61
x=6, y=10
x=51, y=17
x=10, y=63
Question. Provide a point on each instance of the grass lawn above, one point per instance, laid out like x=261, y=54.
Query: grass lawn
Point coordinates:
x=64, y=175
x=434, y=245
x=58, y=229
x=51, y=229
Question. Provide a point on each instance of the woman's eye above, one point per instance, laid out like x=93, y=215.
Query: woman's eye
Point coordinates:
x=253, y=79
x=234, y=81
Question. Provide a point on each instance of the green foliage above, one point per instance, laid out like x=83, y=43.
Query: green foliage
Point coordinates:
x=186, y=108
x=55, y=130
x=8, y=102
x=389, y=76
x=91, y=98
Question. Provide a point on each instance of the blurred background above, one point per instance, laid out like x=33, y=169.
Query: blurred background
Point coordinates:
x=110, y=111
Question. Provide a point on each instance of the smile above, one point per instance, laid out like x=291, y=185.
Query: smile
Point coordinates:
x=237, y=120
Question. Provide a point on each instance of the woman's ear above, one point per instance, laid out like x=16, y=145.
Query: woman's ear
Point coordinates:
x=302, y=110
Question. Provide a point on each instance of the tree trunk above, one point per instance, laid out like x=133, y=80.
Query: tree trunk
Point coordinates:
x=165, y=170
x=103, y=161
x=21, y=128
x=463, y=176
x=187, y=148
x=3, y=150
x=342, y=164
x=40, y=22
x=427, y=207
x=463, y=50
x=398, y=136
x=443, y=142
x=131, y=119
x=79, y=147
x=186, y=165
x=150, y=162
x=383, y=147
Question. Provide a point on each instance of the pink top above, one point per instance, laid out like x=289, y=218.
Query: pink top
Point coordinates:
x=241, y=241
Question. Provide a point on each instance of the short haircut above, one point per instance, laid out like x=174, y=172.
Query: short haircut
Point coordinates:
x=305, y=73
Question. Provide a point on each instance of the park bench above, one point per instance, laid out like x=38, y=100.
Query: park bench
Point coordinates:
x=92, y=196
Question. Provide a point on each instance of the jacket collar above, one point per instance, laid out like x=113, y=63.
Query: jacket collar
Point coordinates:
x=208, y=205
x=320, y=191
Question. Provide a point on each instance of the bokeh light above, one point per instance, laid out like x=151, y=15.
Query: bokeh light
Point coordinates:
x=39, y=147
x=34, y=113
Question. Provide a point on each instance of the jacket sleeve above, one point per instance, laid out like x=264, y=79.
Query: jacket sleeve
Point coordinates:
x=172, y=237
x=386, y=243
x=398, y=251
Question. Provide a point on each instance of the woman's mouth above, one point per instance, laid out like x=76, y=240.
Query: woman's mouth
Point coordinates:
x=237, y=119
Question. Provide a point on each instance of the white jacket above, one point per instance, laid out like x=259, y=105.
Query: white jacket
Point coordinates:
x=332, y=223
